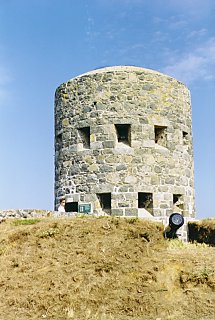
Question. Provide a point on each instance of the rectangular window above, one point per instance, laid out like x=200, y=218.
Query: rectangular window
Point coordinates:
x=123, y=132
x=161, y=135
x=105, y=201
x=84, y=135
x=178, y=203
x=145, y=201
x=71, y=207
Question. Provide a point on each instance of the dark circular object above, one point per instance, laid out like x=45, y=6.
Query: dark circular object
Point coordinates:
x=176, y=220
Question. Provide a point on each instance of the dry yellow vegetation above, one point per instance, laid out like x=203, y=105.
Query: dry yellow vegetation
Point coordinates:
x=202, y=231
x=102, y=269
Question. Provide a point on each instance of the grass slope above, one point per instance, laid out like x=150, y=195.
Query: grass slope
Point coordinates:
x=102, y=268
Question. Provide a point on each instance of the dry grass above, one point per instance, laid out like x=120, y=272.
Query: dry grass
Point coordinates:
x=202, y=231
x=102, y=269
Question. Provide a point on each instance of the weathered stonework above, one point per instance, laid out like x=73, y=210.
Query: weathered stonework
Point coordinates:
x=26, y=214
x=123, y=141
x=33, y=214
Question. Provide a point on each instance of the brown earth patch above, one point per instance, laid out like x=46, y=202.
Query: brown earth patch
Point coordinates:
x=102, y=268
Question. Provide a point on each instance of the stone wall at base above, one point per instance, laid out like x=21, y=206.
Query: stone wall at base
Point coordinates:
x=38, y=213
x=25, y=213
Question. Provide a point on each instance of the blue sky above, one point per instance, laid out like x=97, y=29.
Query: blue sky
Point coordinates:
x=46, y=42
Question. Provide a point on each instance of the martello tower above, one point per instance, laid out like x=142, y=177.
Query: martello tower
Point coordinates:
x=123, y=140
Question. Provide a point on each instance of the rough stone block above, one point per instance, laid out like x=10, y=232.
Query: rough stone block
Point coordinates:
x=96, y=145
x=108, y=144
x=117, y=212
x=131, y=212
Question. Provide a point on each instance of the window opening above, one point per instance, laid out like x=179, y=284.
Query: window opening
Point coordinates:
x=185, y=137
x=71, y=207
x=161, y=135
x=178, y=203
x=123, y=133
x=59, y=140
x=145, y=201
x=84, y=134
x=105, y=201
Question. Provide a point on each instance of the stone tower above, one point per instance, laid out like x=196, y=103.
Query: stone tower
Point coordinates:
x=123, y=141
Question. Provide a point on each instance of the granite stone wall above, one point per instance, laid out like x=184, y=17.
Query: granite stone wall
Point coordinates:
x=25, y=214
x=123, y=142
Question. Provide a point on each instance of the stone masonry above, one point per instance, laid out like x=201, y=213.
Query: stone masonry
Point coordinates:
x=123, y=143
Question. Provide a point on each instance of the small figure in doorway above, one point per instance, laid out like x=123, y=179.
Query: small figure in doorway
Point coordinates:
x=61, y=207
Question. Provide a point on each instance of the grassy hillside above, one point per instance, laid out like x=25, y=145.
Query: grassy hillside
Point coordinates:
x=202, y=231
x=102, y=268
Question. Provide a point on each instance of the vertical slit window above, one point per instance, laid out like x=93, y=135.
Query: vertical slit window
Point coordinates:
x=84, y=134
x=59, y=141
x=145, y=201
x=185, y=137
x=161, y=135
x=178, y=203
